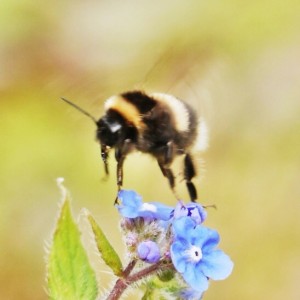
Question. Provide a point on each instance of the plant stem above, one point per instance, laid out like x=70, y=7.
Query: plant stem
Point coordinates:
x=129, y=268
x=122, y=283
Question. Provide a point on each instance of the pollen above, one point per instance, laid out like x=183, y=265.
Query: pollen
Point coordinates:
x=149, y=207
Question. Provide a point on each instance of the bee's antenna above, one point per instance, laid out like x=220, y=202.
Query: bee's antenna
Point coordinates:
x=80, y=109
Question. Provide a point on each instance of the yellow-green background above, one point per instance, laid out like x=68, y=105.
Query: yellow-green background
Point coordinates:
x=237, y=62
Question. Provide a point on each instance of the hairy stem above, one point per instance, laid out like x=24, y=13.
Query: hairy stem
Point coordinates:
x=129, y=268
x=122, y=283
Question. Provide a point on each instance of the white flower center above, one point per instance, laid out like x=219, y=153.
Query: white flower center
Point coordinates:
x=194, y=254
x=148, y=207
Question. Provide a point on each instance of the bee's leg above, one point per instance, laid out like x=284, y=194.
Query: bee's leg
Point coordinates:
x=189, y=173
x=169, y=153
x=168, y=173
x=104, y=155
x=120, y=163
x=120, y=155
x=164, y=164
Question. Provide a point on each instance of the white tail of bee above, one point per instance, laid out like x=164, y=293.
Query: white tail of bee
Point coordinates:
x=201, y=143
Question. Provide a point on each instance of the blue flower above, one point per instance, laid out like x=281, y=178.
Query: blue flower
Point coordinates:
x=132, y=206
x=193, y=210
x=148, y=251
x=194, y=255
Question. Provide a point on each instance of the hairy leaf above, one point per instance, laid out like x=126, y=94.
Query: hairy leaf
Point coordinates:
x=108, y=253
x=69, y=274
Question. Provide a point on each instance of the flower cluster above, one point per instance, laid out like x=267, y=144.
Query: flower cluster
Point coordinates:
x=155, y=232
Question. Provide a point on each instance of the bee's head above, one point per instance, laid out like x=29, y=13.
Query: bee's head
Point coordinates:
x=110, y=130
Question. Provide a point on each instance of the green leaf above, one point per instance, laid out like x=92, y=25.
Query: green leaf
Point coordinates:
x=155, y=288
x=108, y=253
x=148, y=295
x=69, y=274
x=153, y=293
x=166, y=275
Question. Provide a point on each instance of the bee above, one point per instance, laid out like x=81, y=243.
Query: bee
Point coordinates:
x=154, y=123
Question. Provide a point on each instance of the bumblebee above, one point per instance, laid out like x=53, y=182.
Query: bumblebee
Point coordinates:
x=158, y=124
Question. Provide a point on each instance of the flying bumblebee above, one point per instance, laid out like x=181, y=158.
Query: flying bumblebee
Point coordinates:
x=158, y=124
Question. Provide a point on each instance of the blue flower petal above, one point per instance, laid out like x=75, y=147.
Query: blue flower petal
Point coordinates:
x=130, y=197
x=197, y=212
x=130, y=203
x=177, y=255
x=131, y=206
x=183, y=227
x=216, y=265
x=192, y=210
x=155, y=210
x=190, y=294
x=195, y=278
x=205, y=237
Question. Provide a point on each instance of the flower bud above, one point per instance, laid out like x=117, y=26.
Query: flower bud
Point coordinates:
x=148, y=251
x=192, y=210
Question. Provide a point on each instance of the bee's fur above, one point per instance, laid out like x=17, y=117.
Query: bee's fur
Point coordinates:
x=158, y=124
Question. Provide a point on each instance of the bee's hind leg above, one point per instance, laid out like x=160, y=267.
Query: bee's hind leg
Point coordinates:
x=189, y=174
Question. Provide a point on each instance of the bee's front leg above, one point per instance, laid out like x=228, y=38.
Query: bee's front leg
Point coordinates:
x=120, y=155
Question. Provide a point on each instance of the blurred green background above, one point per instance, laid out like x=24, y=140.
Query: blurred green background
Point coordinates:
x=237, y=62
